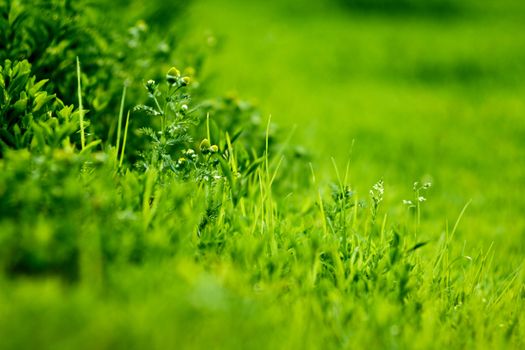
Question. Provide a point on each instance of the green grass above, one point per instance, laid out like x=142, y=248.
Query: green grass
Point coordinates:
x=402, y=98
x=183, y=233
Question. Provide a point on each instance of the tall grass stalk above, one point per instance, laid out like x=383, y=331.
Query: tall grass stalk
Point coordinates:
x=124, y=141
x=80, y=107
x=120, y=116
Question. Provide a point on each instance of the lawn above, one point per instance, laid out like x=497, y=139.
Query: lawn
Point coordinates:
x=402, y=98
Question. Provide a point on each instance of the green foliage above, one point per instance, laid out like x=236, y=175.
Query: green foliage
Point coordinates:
x=66, y=214
x=50, y=35
x=112, y=49
x=171, y=107
x=29, y=112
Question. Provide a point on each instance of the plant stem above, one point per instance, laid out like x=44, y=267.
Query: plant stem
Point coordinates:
x=80, y=108
x=120, y=115
x=124, y=141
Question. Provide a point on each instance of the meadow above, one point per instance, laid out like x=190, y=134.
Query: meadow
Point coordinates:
x=278, y=174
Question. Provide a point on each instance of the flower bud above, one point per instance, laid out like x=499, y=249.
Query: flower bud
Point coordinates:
x=184, y=81
x=181, y=162
x=141, y=25
x=174, y=72
x=150, y=86
x=214, y=148
x=173, y=75
x=191, y=154
x=205, y=146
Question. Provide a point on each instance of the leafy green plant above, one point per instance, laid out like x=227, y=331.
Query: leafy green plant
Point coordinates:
x=29, y=115
x=419, y=190
x=170, y=108
x=50, y=35
x=174, y=149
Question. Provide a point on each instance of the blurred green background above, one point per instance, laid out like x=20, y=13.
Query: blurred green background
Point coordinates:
x=401, y=90
x=405, y=90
